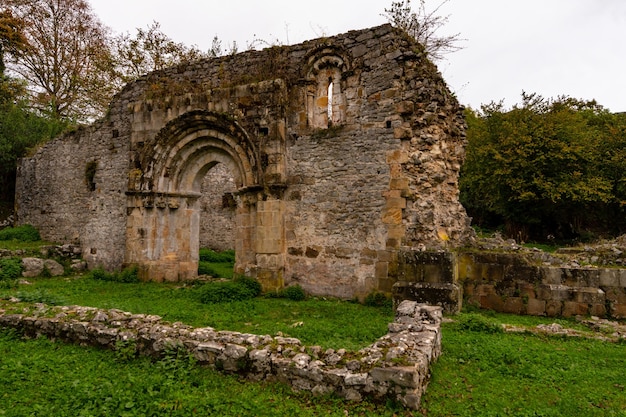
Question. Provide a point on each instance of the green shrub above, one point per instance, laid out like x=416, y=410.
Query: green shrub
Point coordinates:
x=224, y=291
x=39, y=296
x=209, y=255
x=252, y=284
x=10, y=268
x=294, y=293
x=24, y=233
x=128, y=275
x=478, y=323
x=206, y=268
x=125, y=350
x=377, y=299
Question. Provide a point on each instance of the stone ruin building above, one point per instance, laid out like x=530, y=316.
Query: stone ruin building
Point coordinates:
x=319, y=163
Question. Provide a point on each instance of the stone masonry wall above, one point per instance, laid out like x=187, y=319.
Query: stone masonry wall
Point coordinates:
x=396, y=366
x=328, y=189
x=217, y=218
x=56, y=194
x=510, y=283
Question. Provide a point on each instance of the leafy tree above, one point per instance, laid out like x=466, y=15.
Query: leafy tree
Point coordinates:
x=541, y=167
x=20, y=130
x=424, y=26
x=12, y=37
x=62, y=65
x=150, y=50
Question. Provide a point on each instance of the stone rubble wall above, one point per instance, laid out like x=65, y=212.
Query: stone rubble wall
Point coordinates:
x=55, y=194
x=396, y=366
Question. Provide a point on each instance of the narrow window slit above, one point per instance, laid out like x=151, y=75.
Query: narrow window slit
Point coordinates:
x=330, y=101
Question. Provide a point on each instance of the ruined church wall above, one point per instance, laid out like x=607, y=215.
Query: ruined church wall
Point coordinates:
x=56, y=194
x=382, y=176
x=386, y=177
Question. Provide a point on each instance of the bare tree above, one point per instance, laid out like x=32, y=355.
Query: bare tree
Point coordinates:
x=67, y=47
x=424, y=26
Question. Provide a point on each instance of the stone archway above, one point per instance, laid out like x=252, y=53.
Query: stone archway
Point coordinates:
x=163, y=222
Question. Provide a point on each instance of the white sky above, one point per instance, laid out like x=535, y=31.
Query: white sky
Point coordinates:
x=550, y=47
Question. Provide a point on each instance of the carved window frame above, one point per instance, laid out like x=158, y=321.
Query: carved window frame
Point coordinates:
x=323, y=71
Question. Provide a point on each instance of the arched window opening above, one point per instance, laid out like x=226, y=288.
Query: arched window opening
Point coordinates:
x=330, y=102
x=325, y=98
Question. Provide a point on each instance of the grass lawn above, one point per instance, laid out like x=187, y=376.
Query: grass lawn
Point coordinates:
x=328, y=323
x=480, y=373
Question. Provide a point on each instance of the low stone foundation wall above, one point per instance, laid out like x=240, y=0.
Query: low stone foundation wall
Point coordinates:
x=514, y=283
x=505, y=282
x=396, y=366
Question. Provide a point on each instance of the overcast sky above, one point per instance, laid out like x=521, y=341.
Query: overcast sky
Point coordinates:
x=550, y=47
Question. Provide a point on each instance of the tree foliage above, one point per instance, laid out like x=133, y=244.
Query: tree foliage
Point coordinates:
x=67, y=46
x=149, y=50
x=424, y=26
x=20, y=130
x=12, y=37
x=64, y=66
x=545, y=167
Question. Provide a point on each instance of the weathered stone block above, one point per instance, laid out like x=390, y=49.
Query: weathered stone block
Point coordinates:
x=551, y=276
x=588, y=295
x=609, y=277
x=33, y=267
x=598, y=310
x=408, y=377
x=527, y=290
x=553, y=292
x=574, y=308
x=554, y=308
x=446, y=295
x=381, y=272
x=513, y=305
x=618, y=310
x=492, y=302
x=536, y=307
x=615, y=295
x=622, y=278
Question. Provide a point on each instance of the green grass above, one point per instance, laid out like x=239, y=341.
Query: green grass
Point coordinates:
x=480, y=373
x=216, y=264
x=546, y=247
x=328, y=323
x=44, y=378
x=495, y=374
x=29, y=247
x=215, y=269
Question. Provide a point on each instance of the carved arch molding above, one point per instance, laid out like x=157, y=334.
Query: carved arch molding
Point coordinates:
x=163, y=207
x=163, y=210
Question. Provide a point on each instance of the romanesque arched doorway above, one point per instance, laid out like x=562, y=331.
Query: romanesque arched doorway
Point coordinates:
x=164, y=206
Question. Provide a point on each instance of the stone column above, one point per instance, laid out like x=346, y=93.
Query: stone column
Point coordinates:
x=162, y=236
x=270, y=243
